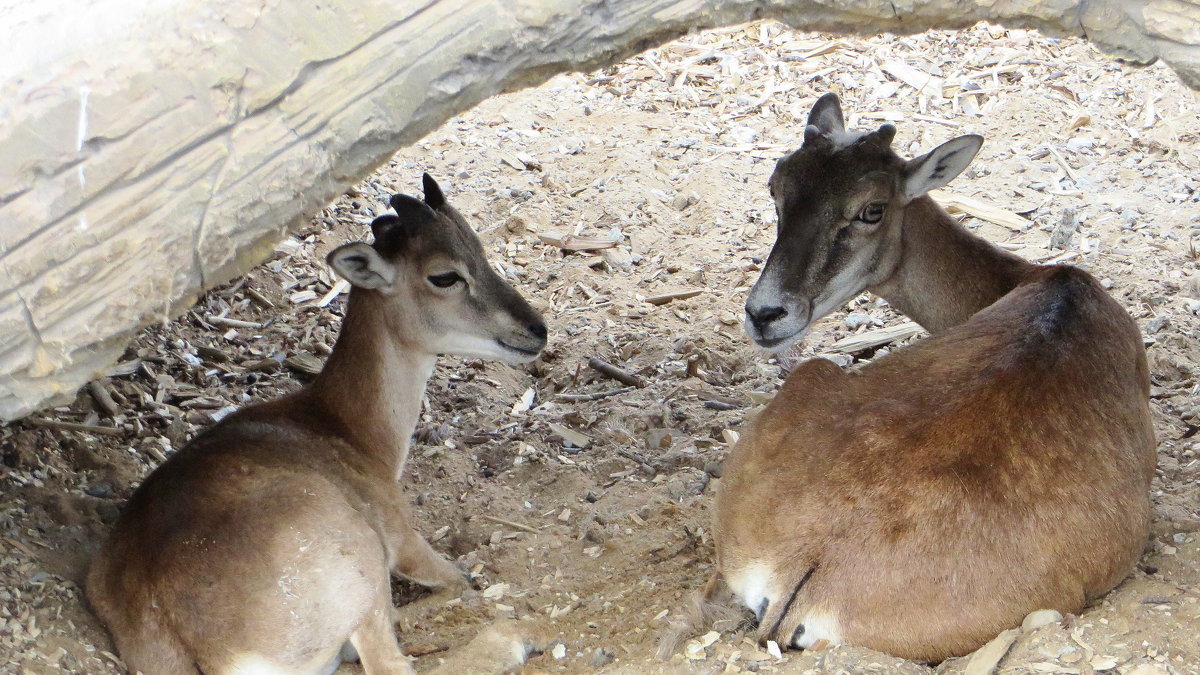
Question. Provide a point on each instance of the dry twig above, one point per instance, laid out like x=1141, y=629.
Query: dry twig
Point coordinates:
x=594, y=397
x=606, y=368
x=513, y=524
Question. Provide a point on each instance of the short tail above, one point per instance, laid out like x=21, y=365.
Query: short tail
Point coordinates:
x=778, y=622
x=706, y=607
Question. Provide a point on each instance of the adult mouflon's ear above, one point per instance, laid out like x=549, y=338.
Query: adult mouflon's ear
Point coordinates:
x=826, y=115
x=433, y=193
x=362, y=266
x=940, y=165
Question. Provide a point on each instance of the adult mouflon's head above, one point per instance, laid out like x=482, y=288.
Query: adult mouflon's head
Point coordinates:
x=440, y=291
x=840, y=201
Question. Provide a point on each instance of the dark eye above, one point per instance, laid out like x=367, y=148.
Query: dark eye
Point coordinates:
x=872, y=213
x=445, y=280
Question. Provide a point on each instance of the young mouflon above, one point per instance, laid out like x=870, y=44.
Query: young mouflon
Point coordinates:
x=930, y=499
x=267, y=543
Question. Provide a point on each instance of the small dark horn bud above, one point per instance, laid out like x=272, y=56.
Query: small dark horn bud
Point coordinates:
x=885, y=134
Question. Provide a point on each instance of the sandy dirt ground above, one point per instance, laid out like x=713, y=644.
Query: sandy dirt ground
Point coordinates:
x=666, y=154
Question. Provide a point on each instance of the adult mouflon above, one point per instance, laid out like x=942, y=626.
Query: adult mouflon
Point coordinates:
x=930, y=499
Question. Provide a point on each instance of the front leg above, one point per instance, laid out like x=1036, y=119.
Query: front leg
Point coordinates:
x=414, y=559
x=409, y=555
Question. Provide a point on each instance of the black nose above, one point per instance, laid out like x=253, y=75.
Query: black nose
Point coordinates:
x=538, y=330
x=762, y=316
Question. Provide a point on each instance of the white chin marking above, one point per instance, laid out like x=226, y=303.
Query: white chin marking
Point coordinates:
x=474, y=347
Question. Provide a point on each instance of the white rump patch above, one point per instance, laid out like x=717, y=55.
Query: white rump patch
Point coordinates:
x=253, y=664
x=750, y=584
x=819, y=626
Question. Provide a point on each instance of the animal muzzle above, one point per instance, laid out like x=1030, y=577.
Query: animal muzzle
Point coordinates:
x=776, y=323
x=528, y=340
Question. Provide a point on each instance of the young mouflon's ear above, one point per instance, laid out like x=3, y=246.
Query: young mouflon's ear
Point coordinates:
x=411, y=211
x=940, y=165
x=826, y=115
x=362, y=266
x=433, y=193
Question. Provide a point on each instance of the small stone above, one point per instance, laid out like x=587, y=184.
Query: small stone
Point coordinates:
x=855, y=320
x=743, y=134
x=1064, y=229
x=600, y=658
x=714, y=469
x=773, y=649
x=1038, y=618
x=559, y=651
x=617, y=258
x=495, y=591
x=516, y=224
x=682, y=202
x=1080, y=143
x=1157, y=323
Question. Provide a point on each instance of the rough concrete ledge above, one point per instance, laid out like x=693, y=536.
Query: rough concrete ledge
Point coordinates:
x=151, y=150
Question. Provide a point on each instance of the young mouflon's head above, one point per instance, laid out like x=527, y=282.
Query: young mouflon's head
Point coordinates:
x=428, y=265
x=840, y=201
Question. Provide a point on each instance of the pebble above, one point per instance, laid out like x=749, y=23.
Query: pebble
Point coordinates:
x=600, y=658
x=1038, y=618
x=1080, y=142
x=855, y=320
x=743, y=134
x=1157, y=323
x=682, y=202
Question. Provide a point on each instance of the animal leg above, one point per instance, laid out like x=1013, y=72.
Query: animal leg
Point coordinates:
x=496, y=649
x=375, y=641
x=416, y=560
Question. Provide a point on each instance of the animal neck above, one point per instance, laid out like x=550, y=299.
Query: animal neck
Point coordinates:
x=374, y=380
x=946, y=274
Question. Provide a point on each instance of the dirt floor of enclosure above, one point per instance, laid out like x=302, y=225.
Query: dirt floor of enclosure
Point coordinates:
x=667, y=154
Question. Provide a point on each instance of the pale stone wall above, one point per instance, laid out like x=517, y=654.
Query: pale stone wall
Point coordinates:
x=152, y=149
